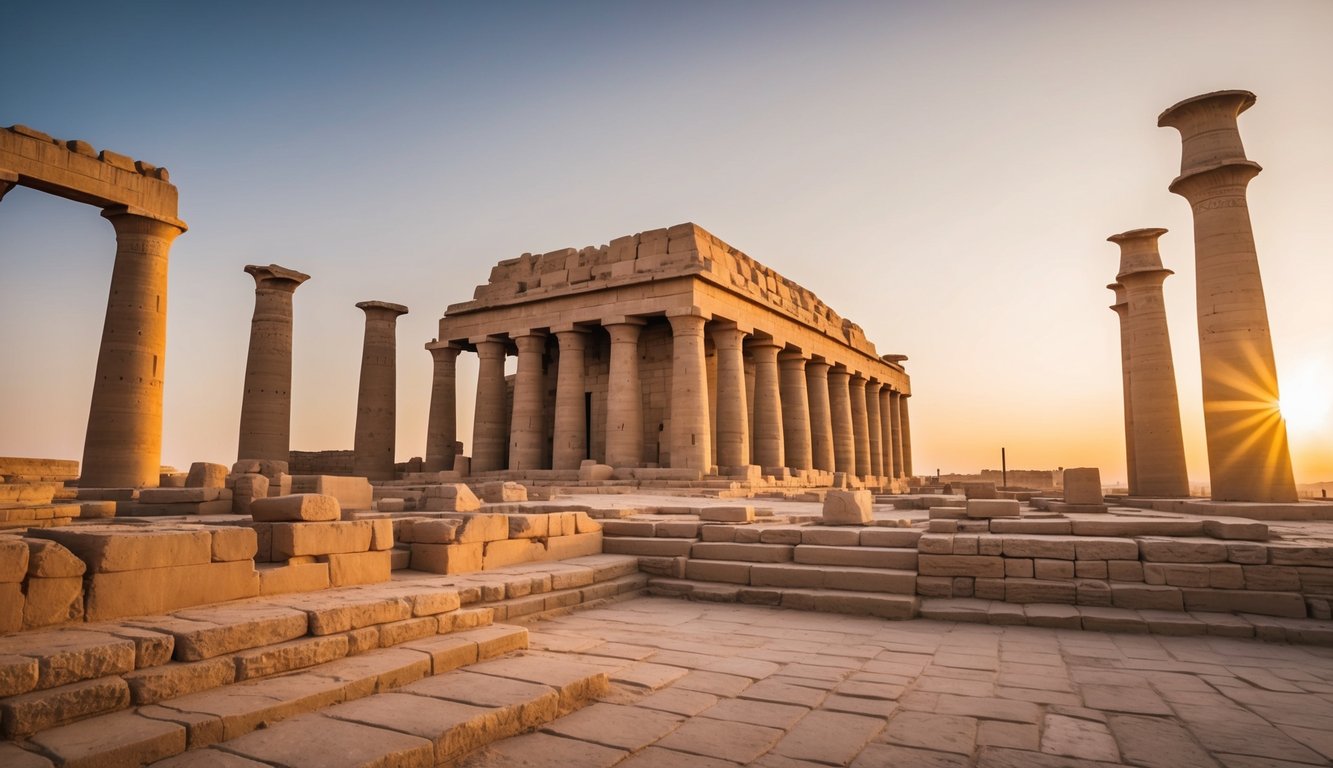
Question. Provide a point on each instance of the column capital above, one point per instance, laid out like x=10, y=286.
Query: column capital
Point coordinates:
x=790, y=358
x=531, y=342
x=690, y=311
x=759, y=342
x=728, y=336
x=442, y=350
x=276, y=278
x=144, y=221
x=623, y=320
x=491, y=346
x=570, y=329
x=1208, y=131
x=372, y=308
x=687, y=324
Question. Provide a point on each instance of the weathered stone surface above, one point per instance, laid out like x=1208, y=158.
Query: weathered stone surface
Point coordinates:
x=188, y=495
x=447, y=558
x=47, y=559
x=351, y=492
x=69, y=655
x=154, y=684
x=985, y=507
x=481, y=527
x=502, y=492
x=52, y=601
x=285, y=657
x=961, y=565
x=297, y=539
x=848, y=507
x=1083, y=485
x=234, y=542
x=107, y=548
x=347, y=569
x=208, y=632
x=308, y=741
x=727, y=514
x=205, y=475
x=454, y=497
x=294, y=577
x=50, y=707
x=299, y=507
x=159, y=590
x=1182, y=551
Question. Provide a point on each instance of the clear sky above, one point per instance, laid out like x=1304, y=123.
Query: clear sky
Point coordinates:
x=943, y=173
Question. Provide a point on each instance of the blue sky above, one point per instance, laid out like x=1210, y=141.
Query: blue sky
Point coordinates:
x=944, y=174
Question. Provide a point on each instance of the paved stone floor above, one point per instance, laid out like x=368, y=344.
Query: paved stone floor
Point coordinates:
x=702, y=685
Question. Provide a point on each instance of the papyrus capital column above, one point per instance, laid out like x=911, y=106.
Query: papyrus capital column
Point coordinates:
x=860, y=427
x=527, y=428
x=733, y=423
x=624, y=395
x=376, y=401
x=266, y=403
x=821, y=415
x=490, y=420
x=1158, y=444
x=840, y=405
x=1248, y=455
x=442, y=421
x=569, y=440
x=690, y=431
x=123, y=446
x=795, y=410
x=872, y=422
x=768, y=443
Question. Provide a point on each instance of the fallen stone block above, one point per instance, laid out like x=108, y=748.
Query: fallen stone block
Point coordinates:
x=451, y=497
x=351, y=492
x=1083, y=485
x=300, y=507
x=205, y=475
x=54, y=600
x=500, y=492
x=592, y=472
x=848, y=507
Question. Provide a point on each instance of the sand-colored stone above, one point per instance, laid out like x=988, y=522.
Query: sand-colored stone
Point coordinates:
x=297, y=539
x=847, y=507
x=376, y=402
x=299, y=507
x=266, y=404
x=442, y=420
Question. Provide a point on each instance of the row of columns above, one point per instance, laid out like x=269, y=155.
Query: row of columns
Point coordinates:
x=807, y=414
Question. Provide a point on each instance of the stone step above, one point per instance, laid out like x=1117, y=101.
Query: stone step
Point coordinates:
x=197, y=720
x=899, y=558
x=888, y=606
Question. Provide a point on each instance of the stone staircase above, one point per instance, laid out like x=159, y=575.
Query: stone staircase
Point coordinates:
x=236, y=676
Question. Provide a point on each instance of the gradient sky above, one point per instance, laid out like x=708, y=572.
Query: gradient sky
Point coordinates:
x=943, y=173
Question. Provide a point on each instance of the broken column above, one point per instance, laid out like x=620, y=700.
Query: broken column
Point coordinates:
x=376, y=399
x=1158, y=444
x=266, y=404
x=123, y=446
x=1248, y=456
x=442, y=421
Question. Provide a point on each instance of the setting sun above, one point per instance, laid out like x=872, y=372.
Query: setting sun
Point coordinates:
x=1305, y=402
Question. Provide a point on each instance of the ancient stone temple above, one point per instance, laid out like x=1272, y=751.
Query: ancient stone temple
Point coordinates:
x=668, y=349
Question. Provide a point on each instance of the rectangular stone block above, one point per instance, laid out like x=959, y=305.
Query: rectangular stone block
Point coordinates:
x=751, y=553
x=447, y=558
x=1083, y=485
x=481, y=527
x=743, y=514
x=983, y=507
x=528, y=526
x=159, y=590
x=935, y=544
x=29, y=713
x=351, y=492
x=187, y=495
x=1146, y=596
x=1018, y=568
x=347, y=569
x=1053, y=569
x=961, y=565
x=1124, y=570
x=381, y=534
x=575, y=545
x=109, y=548
x=498, y=554
x=234, y=542
x=1012, y=525
x=718, y=570
x=296, y=577
x=1049, y=547
x=866, y=557
x=1098, y=548
x=296, y=508
x=1039, y=591
x=832, y=537
x=52, y=601
x=296, y=539
x=889, y=537
x=13, y=561
x=1285, y=604
x=654, y=547
x=1157, y=550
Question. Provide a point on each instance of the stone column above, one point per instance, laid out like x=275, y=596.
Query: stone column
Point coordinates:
x=872, y=422
x=570, y=440
x=527, y=427
x=840, y=405
x=768, y=448
x=624, y=396
x=442, y=421
x=795, y=410
x=690, y=431
x=123, y=445
x=896, y=432
x=733, y=422
x=1121, y=308
x=1159, y=445
x=886, y=431
x=821, y=415
x=372, y=454
x=1248, y=457
x=907, y=435
x=266, y=403
x=860, y=427
x=490, y=421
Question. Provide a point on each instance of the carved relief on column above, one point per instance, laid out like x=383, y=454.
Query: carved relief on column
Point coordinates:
x=490, y=421
x=570, y=441
x=795, y=410
x=768, y=442
x=840, y=405
x=442, y=421
x=624, y=396
x=123, y=446
x=690, y=432
x=527, y=426
x=733, y=427
x=821, y=416
x=872, y=422
x=266, y=401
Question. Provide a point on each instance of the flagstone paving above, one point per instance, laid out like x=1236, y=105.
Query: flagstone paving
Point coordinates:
x=697, y=684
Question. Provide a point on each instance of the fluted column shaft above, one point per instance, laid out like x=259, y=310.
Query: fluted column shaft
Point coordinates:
x=1122, y=311
x=872, y=422
x=896, y=432
x=442, y=420
x=907, y=435
x=570, y=440
x=490, y=419
x=527, y=425
x=860, y=427
x=886, y=431
x=690, y=431
x=376, y=400
x=733, y=422
x=1248, y=454
x=266, y=403
x=624, y=397
x=821, y=416
x=795, y=410
x=768, y=444
x=840, y=405
x=123, y=445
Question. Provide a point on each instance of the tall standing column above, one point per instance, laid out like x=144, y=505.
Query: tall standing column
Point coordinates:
x=1248, y=456
x=872, y=421
x=527, y=427
x=690, y=431
x=570, y=440
x=490, y=421
x=1121, y=308
x=896, y=432
x=733, y=421
x=886, y=431
x=123, y=445
x=860, y=429
x=266, y=403
x=768, y=448
x=821, y=415
x=1159, y=445
x=795, y=410
x=907, y=435
x=624, y=396
x=840, y=405
x=442, y=421
x=376, y=400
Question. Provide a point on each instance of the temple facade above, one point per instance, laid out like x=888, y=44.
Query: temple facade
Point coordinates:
x=669, y=349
